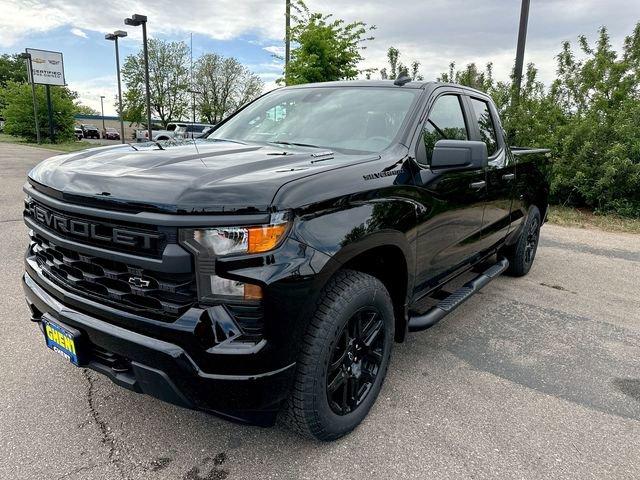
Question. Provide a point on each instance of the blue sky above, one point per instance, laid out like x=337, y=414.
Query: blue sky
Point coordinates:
x=434, y=32
x=90, y=62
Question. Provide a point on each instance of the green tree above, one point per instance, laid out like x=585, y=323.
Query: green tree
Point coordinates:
x=168, y=79
x=12, y=69
x=18, y=111
x=223, y=85
x=324, y=48
x=471, y=76
x=133, y=106
x=398, y=69
x=588, y=117
x=598, y=149
x=85, y=109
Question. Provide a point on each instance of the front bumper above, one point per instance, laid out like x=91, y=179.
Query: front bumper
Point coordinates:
x=159, y=368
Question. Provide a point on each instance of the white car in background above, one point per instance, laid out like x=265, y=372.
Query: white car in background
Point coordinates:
x=192, y=130
x=175, y=130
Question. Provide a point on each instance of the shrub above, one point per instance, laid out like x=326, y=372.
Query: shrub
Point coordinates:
x=18, y=111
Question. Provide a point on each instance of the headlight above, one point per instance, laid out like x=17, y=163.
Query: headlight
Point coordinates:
x=219, y=241
x=209, y=243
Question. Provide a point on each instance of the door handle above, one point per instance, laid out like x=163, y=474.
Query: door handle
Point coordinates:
x=508, y=176
x=478, y=185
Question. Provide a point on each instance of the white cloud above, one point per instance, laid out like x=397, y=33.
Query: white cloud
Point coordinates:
x=440, y=31
x=277, y=50
x=274, y=66
x=90, y=91
x=15, y=24
x=221, y=20
x=78, y=33
x=434, y=32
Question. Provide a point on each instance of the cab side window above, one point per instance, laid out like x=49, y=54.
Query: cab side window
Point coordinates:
x=485, y=124
x=445, y=122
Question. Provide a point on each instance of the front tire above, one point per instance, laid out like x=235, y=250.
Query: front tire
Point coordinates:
x=343, y=359
x=523, y=253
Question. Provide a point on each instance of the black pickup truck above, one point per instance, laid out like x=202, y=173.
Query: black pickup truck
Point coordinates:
x=266, y=270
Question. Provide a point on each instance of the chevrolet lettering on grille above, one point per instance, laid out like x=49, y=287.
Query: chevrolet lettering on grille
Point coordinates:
x=82, y=228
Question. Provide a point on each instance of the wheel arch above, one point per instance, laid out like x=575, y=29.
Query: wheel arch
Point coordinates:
x=387, y=256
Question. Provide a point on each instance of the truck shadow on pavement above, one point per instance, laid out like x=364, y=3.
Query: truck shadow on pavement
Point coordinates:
x=575, y=359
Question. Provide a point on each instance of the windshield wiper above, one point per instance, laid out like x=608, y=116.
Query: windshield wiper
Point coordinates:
x=225, y=140
x=296, y=144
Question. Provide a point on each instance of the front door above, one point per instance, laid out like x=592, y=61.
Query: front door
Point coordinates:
x=501, y=173
x=449, y=229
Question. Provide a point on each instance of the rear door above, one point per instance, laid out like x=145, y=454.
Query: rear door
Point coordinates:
x=500, y=171
x=449, y=230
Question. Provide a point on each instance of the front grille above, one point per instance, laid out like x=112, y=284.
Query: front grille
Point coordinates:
x=143, y=292
x=143, y=240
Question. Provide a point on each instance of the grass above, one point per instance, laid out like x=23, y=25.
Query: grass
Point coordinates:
x=582, y=218
x=61, y=147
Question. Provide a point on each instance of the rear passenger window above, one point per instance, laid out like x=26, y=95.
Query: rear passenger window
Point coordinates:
x=445, y=122
x=485, y=124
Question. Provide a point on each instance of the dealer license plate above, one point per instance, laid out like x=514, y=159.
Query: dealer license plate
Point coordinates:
x=61, y=340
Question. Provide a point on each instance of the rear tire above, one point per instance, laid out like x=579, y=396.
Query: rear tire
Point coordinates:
x=343, y=358
x=522, y=254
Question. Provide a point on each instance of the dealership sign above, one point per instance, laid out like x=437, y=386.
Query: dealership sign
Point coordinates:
x=47, y=68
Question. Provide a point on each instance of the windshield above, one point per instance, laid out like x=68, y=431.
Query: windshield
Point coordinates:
x=344, y=118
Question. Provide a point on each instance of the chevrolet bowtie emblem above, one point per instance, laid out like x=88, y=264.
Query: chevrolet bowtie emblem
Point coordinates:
x=139, y=282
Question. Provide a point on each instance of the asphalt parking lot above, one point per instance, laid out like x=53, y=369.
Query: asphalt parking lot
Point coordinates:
x=536, y=377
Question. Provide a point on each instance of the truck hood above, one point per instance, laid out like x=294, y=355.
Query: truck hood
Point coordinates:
x=186, y=177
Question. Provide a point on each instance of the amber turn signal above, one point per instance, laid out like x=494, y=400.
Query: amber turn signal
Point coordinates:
x=265, y=238
x=252, y=292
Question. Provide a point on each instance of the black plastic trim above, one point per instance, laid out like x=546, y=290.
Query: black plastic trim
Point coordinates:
x=449, y=304
x=166, y=371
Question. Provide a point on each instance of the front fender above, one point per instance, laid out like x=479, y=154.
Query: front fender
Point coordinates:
x=345, y=231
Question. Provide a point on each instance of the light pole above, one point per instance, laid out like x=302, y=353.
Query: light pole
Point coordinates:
x=135, y=21
x=522, y=39
x=114, y=37
x=27, y=57
x=193, y=95
x=287, y=36
x=104, y=129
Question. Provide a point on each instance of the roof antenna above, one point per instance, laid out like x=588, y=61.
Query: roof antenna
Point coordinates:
x=402, y=80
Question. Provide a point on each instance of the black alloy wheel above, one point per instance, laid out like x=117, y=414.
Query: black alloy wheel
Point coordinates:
x=356, y=361
x=533, y=234
x=522, y=254
x=343, y=359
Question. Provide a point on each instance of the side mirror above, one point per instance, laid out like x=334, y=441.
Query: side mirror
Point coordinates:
x=459, y=154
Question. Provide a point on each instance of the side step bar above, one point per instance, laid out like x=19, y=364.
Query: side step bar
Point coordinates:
x=457, y=298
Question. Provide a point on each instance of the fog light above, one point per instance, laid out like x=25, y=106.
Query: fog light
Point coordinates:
x=224, y=287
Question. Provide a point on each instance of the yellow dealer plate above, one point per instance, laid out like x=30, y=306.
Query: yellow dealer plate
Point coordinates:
x=61, y=341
